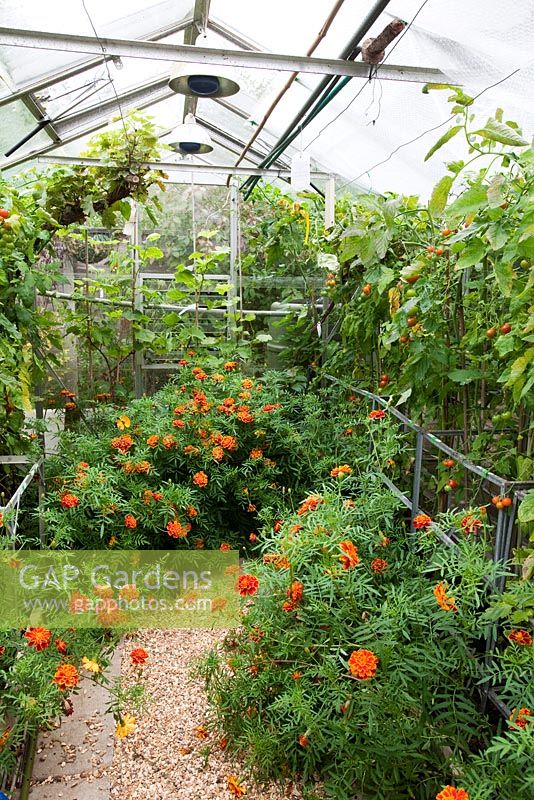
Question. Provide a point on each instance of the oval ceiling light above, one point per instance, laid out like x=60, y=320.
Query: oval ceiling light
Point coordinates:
x=190, y=138
x=198, y=80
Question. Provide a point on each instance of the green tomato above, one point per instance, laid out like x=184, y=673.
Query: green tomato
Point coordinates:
x=411, y=293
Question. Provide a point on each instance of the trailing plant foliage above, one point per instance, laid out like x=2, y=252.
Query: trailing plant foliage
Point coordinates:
x=194, y=464
x=40, y=675
x=31, y=211
x=359, y=660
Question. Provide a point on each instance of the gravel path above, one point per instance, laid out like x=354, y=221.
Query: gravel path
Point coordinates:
x=165, y=759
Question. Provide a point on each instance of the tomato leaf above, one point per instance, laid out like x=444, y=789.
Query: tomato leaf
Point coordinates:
x=443, y=140
x=464, y=376
x=504, y=273
x=470, y=201
x=498, y=132
x=525, y=512
x=473, y=254
x=440, y=195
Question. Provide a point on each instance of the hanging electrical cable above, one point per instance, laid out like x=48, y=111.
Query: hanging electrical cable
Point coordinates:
x=322, y=94
x=320, y=36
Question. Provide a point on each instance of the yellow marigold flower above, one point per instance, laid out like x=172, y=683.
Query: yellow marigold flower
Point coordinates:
x=126, y=726
x=91, y=666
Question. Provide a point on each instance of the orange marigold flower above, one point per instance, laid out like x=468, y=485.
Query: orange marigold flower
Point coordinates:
x=152, y=441
x=378, y=413
x=237, y=789
x=451, y=793
x=66, y=677
x=178, y=423
x=470, y=524
x=349, y=503
x=183, y=362
x=363, y=664
x=310, y=504
x=218, y=604
x=69, y=501
x=347, y=432
x=228, y=443
x=230, y=366
x=244, y=395
x=271, y=407
x=189, y=449
x=70, y=406
x=247, y=585
x=4, y=737
x=343, y=469
x=521, y=717
x=443, y=600
x=303, y=740
x=385, y=541
x=200, y=375
x=217, y=453
x=350, y=557
x=245, y=416
x=295, y=591
x=168, y=441
x=179, y=410
x=201, y=732
x=296, y=676
x=520, y=636
x=225, y=547
x=422, y=522
x=217, y=377
x=83, y=465
x=122, y=443
x=78, y=603
x=191, y=512
x=277, y=527
x=176, y=530
x=129, y=592
x=61, y=646
x=251, y=508
x=296, y=528
x=256, y=453
x=200, y=479
x=130, y=521
x=247, y=383
x=138, y=656
x=38, y=638
x=253, y=537
x=379, y=565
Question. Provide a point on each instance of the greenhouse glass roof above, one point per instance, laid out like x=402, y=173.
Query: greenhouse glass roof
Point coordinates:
x=364, y=134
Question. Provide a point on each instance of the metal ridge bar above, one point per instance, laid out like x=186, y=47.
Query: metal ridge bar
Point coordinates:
x=160, y=51
x=44, y=81
x=179, y=166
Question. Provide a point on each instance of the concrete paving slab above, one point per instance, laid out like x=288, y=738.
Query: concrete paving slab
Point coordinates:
x=73, y=760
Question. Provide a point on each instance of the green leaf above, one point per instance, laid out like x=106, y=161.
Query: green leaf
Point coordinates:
x=387, y=275
x=504, y=273
x=440, y=195
x=520, y=365
x=525, y=512
x=142, y=335
x=443, y=140
x=498, y=132
x=264, y=337
x=473, y=253
x=469, y=202
x=464, y=376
